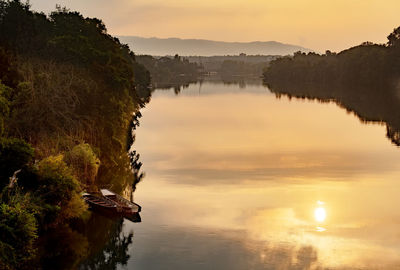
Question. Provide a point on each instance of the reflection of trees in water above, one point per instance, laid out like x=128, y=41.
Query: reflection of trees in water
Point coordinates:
x=373, y=103
x=175, y=84
x=241, y=81
x=108, y=246
x=62, y=248
x=98, y=239
x=178, y=86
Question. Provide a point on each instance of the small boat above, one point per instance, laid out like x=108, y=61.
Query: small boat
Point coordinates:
x=125, y=205
x=100, y=203
x=134, y=217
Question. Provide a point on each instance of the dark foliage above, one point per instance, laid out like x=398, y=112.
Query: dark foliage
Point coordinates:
x=166, y=70
x=14, y=155
x=241, y=68
x=64, y=82
x=115, y=250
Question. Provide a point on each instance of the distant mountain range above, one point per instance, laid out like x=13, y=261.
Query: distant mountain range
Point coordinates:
x=201, y=47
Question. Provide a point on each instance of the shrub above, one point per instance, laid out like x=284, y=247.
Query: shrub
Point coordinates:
x=84, y=162
x=59, y=190
x=18, y=231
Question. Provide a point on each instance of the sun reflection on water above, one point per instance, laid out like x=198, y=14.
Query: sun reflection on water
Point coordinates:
x=320, y=216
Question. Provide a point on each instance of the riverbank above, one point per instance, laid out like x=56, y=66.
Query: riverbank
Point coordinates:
x=68, y=99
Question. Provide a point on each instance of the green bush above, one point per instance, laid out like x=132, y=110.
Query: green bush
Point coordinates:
x=18, y=231
x=84, y=162
x=59, y=190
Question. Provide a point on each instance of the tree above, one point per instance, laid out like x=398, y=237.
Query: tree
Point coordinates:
x=394, y=37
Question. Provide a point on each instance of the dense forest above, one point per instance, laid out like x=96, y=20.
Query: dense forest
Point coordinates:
x=173, y=72
x=240, y=68
x=234, y=65
x=169, y=71
x=69, y=94
x=364, y=80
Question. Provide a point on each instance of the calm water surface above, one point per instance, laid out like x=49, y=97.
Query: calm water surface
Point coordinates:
x=239, y=179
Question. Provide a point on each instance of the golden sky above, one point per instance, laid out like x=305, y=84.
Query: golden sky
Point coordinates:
x=315, y=24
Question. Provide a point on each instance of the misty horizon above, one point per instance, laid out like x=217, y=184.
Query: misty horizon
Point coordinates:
x=205, y=47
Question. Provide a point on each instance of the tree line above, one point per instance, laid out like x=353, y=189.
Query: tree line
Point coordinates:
x=170, y=70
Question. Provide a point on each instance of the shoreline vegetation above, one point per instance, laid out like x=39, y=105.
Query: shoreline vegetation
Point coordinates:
x=69, y=95
x=168, y=71
x=365, y=80
x=179, y=71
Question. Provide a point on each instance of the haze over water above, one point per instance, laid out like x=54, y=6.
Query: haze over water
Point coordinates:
x=239, y=179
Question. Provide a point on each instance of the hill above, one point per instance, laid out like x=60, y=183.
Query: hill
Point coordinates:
x=186, y=47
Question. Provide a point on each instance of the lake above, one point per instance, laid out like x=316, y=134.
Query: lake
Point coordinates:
x=237, y=178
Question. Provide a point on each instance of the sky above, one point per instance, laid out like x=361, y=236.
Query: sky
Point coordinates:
x=316, y=24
